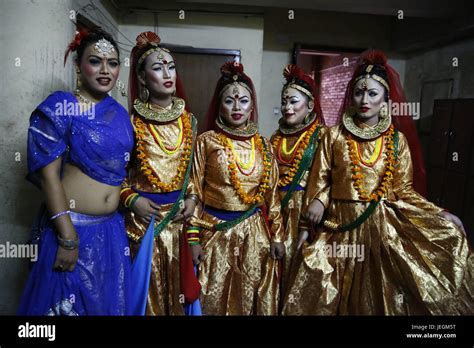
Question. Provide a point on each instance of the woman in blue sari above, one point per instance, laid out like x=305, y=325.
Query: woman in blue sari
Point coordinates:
x=78, y=147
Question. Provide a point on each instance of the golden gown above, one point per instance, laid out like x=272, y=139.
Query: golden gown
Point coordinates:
x=164, y=295
x=292, y=212
x=238, y=275
x=409, y=261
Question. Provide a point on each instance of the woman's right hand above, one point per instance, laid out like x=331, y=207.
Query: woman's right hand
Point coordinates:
x=66, y=259
x=145, y=208
x=197, y=253
x=315, y=212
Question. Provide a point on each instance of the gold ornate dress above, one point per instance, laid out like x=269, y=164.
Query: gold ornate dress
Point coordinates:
x=288, y=147
x=404, y=259
x=238, y=275
x=156, y=169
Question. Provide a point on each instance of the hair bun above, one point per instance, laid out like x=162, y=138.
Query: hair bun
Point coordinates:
x=373, y=57
x=232, y=68
x=147, y=38
x=292, y=71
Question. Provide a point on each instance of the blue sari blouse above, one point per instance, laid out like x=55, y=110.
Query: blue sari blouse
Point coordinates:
x=98, y=141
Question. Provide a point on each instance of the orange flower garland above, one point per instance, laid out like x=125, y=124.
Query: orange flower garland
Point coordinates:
x=295, y=162
x=358, y=177
x=145, y=167
x=257, y=198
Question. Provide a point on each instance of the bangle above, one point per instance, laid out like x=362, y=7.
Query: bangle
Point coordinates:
x=193, y=197
x=60, y=214
x=133, y=200
x=194, y=243
x=125, y=194
x=68, y=244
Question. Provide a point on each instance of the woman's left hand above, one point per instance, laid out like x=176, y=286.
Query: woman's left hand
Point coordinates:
x=454, y=219
x=277, y=250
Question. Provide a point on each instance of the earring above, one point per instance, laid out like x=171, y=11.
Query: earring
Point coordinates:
x=78, y=83
x=383, y=113
x=121, y=87
x=306, y=118
x=144, y=94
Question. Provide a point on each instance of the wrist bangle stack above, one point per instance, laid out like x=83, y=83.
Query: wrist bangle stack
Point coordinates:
x=60, y=214
x=193, y=235
x=68, y=244
x=129, y=197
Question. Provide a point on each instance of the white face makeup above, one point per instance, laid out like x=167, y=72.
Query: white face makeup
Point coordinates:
x=98, y=71
x=294, y=106
x=235, y=106
x=160, y=74
x=368, y=98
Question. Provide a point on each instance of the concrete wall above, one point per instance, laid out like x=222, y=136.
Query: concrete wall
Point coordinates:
x=437, y=64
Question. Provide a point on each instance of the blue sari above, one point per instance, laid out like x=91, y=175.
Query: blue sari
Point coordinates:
x=98, y=142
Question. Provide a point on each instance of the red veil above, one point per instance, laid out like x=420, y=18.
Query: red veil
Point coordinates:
x=294, y=74
x=403, y=122
x=230, y=72
x=145, y=41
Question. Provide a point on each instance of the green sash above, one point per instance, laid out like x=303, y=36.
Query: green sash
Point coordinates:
x=175, y=207
x=304, y=165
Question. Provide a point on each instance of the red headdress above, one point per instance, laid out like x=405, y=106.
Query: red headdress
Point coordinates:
x=404, y=122
x=74, y=44
x=296, y=78
x=144, y=42
x=231, y=72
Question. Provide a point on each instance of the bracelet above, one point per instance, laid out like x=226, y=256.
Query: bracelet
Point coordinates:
x=134, y=200
x=193, y=235
x=68, y=244
x=60, y=214
x=194, y=197
x=125, y=194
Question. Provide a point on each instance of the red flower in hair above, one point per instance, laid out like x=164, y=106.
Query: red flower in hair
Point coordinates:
x=373, y=57
x=72, y=47
x=293, y=71
x=147, y=37
x=232, y=68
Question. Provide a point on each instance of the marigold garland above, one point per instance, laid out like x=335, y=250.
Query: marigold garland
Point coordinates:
x=148, y=171
x=297, y=154
x=258, y=197
x=358, y=177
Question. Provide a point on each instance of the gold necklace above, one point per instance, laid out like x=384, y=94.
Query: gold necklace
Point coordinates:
x=366, y=133
x=83, y=99
x=164, y=115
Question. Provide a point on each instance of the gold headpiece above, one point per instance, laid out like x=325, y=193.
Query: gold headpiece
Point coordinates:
x=235, y=85
x=368, y=76
x=301, y=89
x=150, y=51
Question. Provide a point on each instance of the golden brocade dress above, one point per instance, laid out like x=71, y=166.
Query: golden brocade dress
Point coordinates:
x=405, y=259
x=163, y=142
x=291, y=213
x=238, y=275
